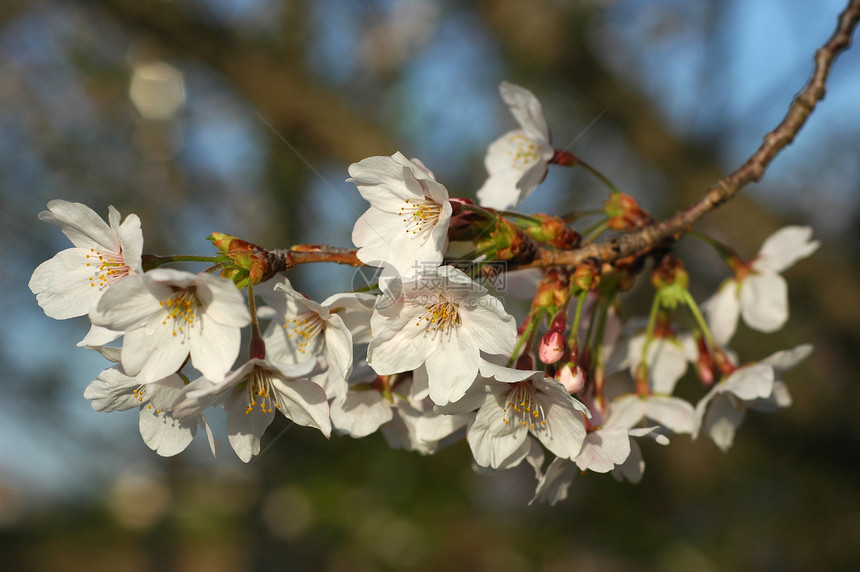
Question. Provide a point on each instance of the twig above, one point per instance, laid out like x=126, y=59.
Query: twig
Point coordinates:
x=671, y=229
x=751, y=171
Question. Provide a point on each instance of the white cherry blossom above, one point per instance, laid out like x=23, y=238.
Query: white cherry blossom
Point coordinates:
x=168, y=314
x=407, y=222
x=514, y=406
x=71, y=283
x=517, y=161
x=673, y=413
x=162, y=432
x=305, y=329
x=366, y=406
x=252, y=393
x=443, y=320
x=667, y=359
x=758, y=292
x=754, y=386
x=416, y=426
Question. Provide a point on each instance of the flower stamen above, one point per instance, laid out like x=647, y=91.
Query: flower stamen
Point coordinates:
x=111, y=267
x=307, y=327
x=181, y=308
x=521, y=408
x=525, y=153
x=443, y=314
x=420, y=214
x=259, y=386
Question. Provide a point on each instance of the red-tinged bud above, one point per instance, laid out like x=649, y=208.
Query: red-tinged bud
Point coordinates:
x=624, y=213
x=565, y=158
x=559, y=322
x=248, y=263
x=705, y=366
x=551, y=347
x=572, y=377
x=722, y=361
x=526, y=362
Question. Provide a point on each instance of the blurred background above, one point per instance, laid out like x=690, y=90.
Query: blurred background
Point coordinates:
x=242, y=116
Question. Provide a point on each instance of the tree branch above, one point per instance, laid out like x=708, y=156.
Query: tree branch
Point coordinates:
x=751, y=171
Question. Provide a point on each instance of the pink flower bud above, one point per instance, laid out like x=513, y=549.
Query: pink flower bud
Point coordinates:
x=551, y=347
x=571, y=377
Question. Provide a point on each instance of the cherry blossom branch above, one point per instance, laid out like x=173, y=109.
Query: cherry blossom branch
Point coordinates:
x=752, y=170
x=286, y=259
x=653, y=234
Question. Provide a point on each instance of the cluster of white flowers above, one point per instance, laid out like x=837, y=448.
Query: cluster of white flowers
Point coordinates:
x=429, y=356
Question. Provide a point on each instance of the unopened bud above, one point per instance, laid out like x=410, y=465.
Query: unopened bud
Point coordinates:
x=587, y=275
x=526, y=362
x=669, y=271
x=705, y=366
x=559, y=323
x=552, y=292
x=624, y=212
x=552, y=230
x=551, y=347
x=248, y=263
x=571, y=377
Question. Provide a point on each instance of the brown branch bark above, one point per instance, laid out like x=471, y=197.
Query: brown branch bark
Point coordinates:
x=725, y=189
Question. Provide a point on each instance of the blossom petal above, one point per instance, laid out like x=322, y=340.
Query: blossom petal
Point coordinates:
x=492, y=328
x=491, y=440
x=723, y=310
x=526, y=109
x=245, y=430
x=565, y=425
x=223, y=302
x=360, y=413
x=785, y=247
x=451, y=371
x=213, y=346
x=633, y=467
x=81, y=225
x=787, y=359
x=750, y=382
x=626, y=411
x=163, y=433
x=603, y=449
x=129, y=303
x=112, y=390
x=305, y=403
x=62, y=285
x=553, y=485
x=764, y=302
x=721, y=421
x=131, y=240
x=673, y=413
x=152, y=356
x=380, y=180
